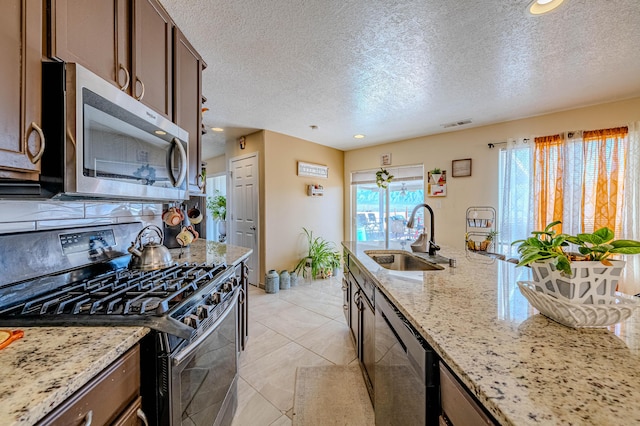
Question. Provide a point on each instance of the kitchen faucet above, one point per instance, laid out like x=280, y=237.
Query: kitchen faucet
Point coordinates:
x=421, y=245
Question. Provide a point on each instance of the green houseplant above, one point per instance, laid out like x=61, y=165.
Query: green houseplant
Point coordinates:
x=578, y=276
x=597, y=246
x=217, y=205
x=321, y=257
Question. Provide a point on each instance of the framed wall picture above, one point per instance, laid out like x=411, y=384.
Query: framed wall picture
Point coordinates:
x=460, y=168
x=385, y=159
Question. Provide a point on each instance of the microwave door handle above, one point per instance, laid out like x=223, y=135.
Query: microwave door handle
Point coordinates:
x=183, y=163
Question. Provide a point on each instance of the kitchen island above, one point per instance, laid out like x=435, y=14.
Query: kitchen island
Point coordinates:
x=49, y=364
x=522, y=367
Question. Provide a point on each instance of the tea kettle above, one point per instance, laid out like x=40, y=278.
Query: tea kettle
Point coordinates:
x=151, y=256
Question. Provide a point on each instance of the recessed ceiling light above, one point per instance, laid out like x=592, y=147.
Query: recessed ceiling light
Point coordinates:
x=538, y=7
x=160, y=132
x=358, y=136
x=217, y=129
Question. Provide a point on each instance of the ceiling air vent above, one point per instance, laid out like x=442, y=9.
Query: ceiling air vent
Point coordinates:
x=456, y=123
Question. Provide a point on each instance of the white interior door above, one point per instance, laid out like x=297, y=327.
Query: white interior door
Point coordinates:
x=243, y=209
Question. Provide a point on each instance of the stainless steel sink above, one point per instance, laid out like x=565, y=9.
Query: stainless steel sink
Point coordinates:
x=398, y=260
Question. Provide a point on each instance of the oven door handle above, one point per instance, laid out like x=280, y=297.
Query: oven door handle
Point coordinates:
x=184, y=353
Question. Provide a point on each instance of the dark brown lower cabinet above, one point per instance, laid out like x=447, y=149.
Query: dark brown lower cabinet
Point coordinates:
x=112, y=397
x=459, y=408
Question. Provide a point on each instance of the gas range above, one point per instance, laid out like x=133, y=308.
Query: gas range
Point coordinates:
x=104, y=291
x=81, y=277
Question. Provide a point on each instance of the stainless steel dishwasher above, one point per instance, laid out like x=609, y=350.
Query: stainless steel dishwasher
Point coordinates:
x=406, y=371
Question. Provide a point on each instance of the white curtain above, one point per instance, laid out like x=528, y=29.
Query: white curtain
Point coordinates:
x=631, y=213
x=515, y=194
x=573, y=168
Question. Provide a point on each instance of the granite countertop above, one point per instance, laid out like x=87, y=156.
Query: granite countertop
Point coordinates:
x=524, y=368
x=210, y=252
x=49, y=364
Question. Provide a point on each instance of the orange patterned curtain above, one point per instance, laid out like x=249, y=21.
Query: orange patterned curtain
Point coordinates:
x=603, y=179
x=548, y=160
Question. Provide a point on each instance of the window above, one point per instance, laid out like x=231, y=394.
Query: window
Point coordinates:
x=214, y=183
x=382, y=214
x=577, y=179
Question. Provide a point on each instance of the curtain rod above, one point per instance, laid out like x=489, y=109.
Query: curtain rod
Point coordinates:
x=491, y=145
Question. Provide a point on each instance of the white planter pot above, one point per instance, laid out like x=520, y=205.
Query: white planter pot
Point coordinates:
x=222, y=227
x=587, y=282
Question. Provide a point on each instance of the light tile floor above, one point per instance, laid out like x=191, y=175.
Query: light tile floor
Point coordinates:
x=301, y=326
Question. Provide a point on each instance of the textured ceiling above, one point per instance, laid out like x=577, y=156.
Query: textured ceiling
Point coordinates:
x=396, y=69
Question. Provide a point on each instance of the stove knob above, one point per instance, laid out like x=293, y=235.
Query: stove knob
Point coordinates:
x=191, y=320
x=203, y=311
x=215, y=298
x=227, y=287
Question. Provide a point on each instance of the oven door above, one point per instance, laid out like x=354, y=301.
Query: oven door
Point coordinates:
x=204, y=374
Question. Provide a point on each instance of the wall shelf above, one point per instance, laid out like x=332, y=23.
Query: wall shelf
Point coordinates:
x=480, y=223
x=315, y=190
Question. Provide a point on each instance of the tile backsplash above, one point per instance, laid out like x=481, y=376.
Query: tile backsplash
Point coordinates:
x=24, y=216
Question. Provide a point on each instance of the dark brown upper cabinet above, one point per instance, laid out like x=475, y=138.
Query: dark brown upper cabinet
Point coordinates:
x=152, y=55
x=127, y=42
x=188, y=66
x=21, y=139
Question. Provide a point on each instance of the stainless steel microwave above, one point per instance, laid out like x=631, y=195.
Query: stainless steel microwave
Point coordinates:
x=102, y=143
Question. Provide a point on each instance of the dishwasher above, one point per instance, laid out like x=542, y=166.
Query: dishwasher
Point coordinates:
x=406, y=371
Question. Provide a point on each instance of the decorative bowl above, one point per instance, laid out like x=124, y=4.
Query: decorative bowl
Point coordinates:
x=576, y=315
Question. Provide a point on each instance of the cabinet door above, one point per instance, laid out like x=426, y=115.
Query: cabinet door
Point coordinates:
x=21, y=140
x=94, y=34
x=188, y=66
x=368, y=349
x=345, y=299
x=354, y=298
x=152, y=70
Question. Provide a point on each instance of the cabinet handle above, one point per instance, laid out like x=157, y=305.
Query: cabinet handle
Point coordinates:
x=200, y=181
x=142, y=85
x=127, y=80
x=88, y=418
x=38, y=156
x=142, y=417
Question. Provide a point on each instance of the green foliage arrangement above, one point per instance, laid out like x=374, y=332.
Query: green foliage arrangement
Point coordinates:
x=383, y=178
x=596, y=246
x=217, y=205
x=322, y=257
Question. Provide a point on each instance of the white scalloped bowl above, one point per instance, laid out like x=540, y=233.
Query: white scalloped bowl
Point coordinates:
x=577, y=315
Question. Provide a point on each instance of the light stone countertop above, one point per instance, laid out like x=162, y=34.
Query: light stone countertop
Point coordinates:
x=49, y=364
x=524, y=368
x=211, y=252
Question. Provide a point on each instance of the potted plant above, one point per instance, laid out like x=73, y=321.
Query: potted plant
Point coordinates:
x=217, y=205
x=320, y=257
x=335, y=263
x=488, y=239
x=435, y=175
x=581, y=276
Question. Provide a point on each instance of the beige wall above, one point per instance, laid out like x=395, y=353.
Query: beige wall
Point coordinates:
x=482, y=187
x=287, y=206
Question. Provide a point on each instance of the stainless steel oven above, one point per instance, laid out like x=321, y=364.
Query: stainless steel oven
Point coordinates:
x=204, y=374
x=101, y=142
